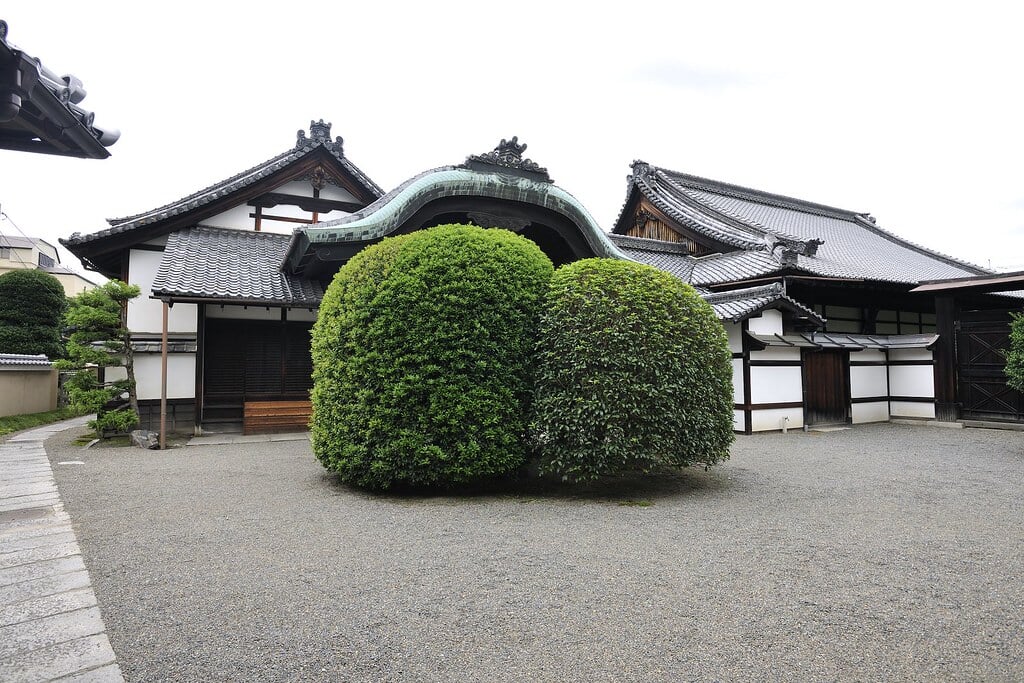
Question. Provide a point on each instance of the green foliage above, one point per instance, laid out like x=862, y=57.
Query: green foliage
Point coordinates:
x=32, y=304
x=421, y=356
x=1015, y=355
x=633, y=372
x=15, y=423
x=99, y=339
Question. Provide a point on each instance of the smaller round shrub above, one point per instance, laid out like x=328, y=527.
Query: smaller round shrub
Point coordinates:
x=1015, y=355
x=633, y=371
x=32, y=305
x=421, y=356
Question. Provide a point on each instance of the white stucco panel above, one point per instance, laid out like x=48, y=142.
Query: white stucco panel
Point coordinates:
x=776, y=353
x=146, y=314
x=775, y=385
x=912, y=380
x=737, y=380
x=737, y=421
x=909, y=409
x=867, y=381
x=768, y=420
x=910, y=354
x=181, y=375
x=870, y=412
x=734, y=331
x=769, y=322
x=243, y=312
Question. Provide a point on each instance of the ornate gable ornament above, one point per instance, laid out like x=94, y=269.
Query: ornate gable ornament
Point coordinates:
x=320, y=134
x=508, y=157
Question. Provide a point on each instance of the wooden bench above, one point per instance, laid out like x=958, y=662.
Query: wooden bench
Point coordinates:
x=261, y=417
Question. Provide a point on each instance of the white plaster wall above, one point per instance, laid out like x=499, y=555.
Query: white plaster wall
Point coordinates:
x=737, y=421
x=303, y=314
x=911, y=380
x=146, y=314
x=776, y=353
x=908, y=409
x=337, y=193
x=737, y=380
x=867, y=381
x=768, y=420
x=769, y=322
x=775, y=385
x=734, y=331
x=910, y=354
x=116, y=373
x=243, y=312
x=868, y=355
x=237, y=218
x=181, y=375
x=870, y=412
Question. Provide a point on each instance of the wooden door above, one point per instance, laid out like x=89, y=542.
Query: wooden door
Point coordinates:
x=981, y=340
x=826, y=387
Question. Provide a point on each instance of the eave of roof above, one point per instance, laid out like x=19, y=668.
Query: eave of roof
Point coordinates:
x=850, y=342
x=41, y=112
x=740, y=304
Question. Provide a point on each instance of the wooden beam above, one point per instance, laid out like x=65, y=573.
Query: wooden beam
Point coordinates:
x=944, y=353
x=311, y=204
x=283, y=219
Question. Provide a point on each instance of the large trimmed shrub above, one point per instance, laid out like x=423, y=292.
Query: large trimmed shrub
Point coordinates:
x=1015, y=355
x=32, y=304
x=421, y=357
x=633, y=371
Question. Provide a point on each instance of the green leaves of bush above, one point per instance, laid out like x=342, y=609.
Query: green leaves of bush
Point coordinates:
x=32, y=304
x=633, y=371
x=421, y=356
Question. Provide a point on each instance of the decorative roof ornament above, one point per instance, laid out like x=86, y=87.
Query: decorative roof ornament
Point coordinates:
x=320, y=134
x=509, y=156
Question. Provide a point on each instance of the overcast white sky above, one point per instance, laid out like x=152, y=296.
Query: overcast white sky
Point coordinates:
x=910, y=111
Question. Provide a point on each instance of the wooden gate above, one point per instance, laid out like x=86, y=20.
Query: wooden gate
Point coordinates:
x=981, y=339
x=826, y=387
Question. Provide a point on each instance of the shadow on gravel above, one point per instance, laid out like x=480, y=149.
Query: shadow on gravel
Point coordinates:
x=636, y=489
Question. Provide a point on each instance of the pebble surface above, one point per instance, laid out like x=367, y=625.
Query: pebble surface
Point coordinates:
x=883, y=552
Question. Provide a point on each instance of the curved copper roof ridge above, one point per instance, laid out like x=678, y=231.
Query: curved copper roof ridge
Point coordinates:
x=387, y=214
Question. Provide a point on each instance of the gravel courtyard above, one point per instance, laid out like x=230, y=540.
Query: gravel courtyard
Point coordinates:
x=883, y=552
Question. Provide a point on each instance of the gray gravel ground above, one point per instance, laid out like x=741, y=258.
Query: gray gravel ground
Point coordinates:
x=885, y=552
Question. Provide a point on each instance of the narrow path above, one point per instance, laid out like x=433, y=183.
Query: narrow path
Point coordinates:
x=50, y=624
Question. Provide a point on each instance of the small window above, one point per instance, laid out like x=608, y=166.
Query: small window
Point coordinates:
x=5, y=253
x=45, y=261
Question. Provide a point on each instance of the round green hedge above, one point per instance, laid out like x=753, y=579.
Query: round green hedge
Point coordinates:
x=32, y=305
x=633, y=371
x=421, y=357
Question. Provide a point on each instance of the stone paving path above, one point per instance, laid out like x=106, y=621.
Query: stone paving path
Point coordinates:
x=50, y=624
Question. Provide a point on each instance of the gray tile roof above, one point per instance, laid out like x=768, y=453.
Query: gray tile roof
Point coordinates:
x=853, y=342
x=713, y=269
x=852, y=245
x=304, y=146
x=24, y=360
x=740, y=304
x=241, y=266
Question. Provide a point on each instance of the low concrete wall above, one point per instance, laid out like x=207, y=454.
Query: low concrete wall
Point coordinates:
x=24, y=391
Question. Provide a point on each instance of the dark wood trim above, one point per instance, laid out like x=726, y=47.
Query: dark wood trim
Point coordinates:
x=155, y=402
x=312, y=204
x=776, y=364
x=737, y=354
x=870, y=399
x=748, y=420
x=868, y=363
x=947, y=311
x=200, y=342
x=894, y=363
x=913, y=399
x=767, y=406
x=147, y=247
x=259, y=218
x=282, y=219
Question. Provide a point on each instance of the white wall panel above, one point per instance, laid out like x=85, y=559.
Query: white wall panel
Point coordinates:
x=181, y=375
x=768, y=420
x=867, y=381
x=145, y=314
x=737, y=380
x=236, y=218
x=775, y=385
x=303, y=314
x=769, y=322
x=870, y=412
x=910, y=354
x=737, y=421
x=735, y=333
x=243, y=312
x=912, y=380
x=909, y=409
x=776, y=353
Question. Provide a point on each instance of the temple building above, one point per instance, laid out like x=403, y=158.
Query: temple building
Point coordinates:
x=817, y=301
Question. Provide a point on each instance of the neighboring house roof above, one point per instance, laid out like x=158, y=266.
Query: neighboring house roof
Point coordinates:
x=18, y=242
x=220, y=264
x=796, y=234
x=740, y=304
x=24, y=360
x=301, y=159
x=40, y=111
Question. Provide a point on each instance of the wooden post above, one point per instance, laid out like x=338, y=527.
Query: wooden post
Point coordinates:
x=163, y=381
x=944, y=353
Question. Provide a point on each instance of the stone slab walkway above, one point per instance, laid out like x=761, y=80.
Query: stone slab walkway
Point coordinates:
x=50, y=624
